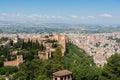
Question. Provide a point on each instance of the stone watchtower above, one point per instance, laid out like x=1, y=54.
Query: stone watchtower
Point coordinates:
x=15, y=40
x=19, y=59
x=62, y=42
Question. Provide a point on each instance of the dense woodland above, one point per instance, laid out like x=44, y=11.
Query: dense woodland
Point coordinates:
x=75, y=60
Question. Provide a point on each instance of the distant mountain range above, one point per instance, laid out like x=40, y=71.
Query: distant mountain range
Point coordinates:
x=12, y=27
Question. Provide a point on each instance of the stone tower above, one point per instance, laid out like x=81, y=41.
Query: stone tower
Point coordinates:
x=62, y=42
x=16, y=39
x=19, y=59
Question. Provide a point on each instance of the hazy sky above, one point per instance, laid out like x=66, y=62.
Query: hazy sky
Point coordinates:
x=63, y=11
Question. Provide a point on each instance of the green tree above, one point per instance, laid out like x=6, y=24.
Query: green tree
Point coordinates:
x=42, y=77
x=1, y=63
x=3, y=39
x=86, y=73
x=20, y=75
x=6, y=52
x=11, y=42
x=80, y=64
x=30, y=70
x=54, y=45
x=8, y=70
x=111, y=70
x=16, y=45
x=28, y=56
x=57, y=54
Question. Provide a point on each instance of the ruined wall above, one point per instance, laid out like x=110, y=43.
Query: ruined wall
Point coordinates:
x=15, y=62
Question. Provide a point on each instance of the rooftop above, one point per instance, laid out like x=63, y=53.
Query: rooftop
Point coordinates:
x=62, y=73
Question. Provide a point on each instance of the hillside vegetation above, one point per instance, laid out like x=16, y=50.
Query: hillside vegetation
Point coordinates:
x=74, y=60
x=80, y=64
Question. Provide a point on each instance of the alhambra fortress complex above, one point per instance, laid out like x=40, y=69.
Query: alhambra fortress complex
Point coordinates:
x=42, y=55
x=46, y=54
x=100, y=45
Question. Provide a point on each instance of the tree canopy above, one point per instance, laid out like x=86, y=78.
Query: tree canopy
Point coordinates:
x=75, y=60
x=80, y=64
x=111, y=70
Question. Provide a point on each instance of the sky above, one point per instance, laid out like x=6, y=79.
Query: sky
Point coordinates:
x=61, y=11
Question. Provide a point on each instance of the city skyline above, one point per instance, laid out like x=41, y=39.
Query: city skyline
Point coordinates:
x=62, y=11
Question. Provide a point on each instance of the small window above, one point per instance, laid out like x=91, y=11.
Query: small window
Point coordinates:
x=61, y=78
x=68, y=77
x=65, y=77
